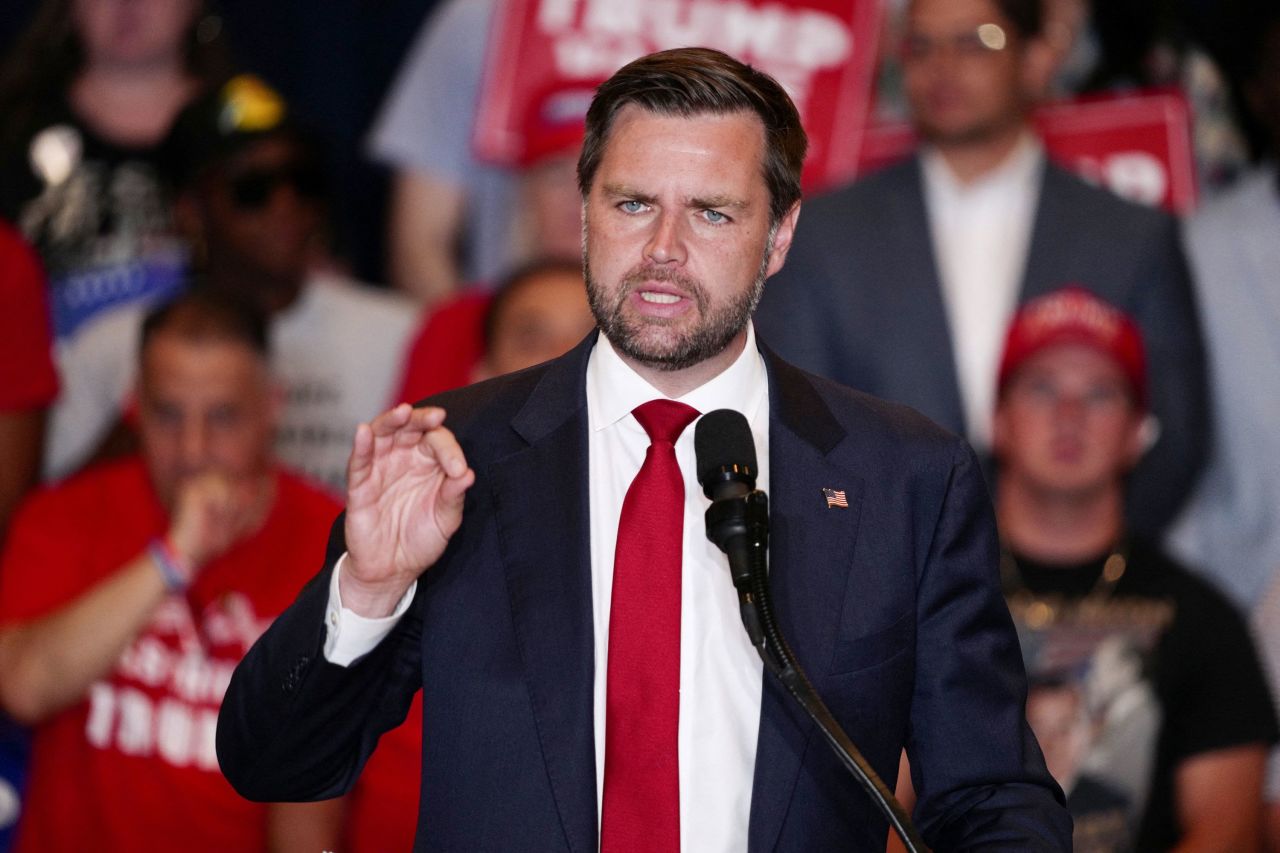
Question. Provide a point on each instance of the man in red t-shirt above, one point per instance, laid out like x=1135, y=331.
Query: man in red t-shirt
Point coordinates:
x=129, y=593
x=28, y=382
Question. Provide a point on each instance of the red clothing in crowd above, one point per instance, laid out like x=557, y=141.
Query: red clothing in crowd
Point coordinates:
x=448, y=347
x=27, y=376
x=382, y=809
x=133, y=767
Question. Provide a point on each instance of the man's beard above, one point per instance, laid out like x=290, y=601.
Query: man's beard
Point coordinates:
x=634, y=337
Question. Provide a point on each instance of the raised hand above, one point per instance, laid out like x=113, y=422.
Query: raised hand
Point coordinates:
x=213, y=511
x=406, y=481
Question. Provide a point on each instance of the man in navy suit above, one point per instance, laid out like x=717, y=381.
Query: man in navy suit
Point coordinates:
x=902, y=283
x=477, y=560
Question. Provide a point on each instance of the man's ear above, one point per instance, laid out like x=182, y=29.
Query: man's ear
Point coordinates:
x=782, y=239
x=1143, y=433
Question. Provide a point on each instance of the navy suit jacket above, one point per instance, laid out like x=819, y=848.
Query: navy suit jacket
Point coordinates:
x=892, y=605
x=860, y=301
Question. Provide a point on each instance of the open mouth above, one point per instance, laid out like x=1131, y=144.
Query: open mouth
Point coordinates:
x=659, y=298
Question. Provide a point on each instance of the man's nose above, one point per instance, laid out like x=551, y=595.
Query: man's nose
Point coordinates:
x=667, y=241
x=284, y=198
x=1069, y=407
x=194, y=445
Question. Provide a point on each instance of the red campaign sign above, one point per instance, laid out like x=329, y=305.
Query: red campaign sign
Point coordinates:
x=822, y=51
x=1138, y=146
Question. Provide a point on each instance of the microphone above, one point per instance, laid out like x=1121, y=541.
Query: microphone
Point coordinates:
x=738, y=524
x=726, y=454
x=738, y=518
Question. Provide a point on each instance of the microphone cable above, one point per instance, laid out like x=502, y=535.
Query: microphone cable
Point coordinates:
x=738, y=524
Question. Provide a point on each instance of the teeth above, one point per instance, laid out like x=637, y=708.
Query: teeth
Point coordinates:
x=660, y=298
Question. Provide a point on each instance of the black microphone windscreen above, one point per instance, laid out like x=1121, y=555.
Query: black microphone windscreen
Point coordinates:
x=721, y=441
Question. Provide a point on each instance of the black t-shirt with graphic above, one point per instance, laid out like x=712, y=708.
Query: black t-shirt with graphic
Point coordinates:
x=98, y=213
x=1129, y=677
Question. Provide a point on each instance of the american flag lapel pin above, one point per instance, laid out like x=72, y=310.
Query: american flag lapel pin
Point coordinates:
x=836, y=497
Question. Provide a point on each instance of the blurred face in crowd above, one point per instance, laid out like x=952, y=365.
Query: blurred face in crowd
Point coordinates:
x=554, y=205
x=677, y=237
x=1066, y=424
x=204, y=405
x=131, y=33
x=543, y=317
x=966, y=70
x=260, y=211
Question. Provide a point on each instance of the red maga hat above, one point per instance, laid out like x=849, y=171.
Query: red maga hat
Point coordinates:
x=1073, y=315
x=556, y=120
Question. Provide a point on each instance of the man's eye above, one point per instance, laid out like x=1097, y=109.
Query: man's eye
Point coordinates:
x=166, y=415
x=632, y=206
x=1104, y=396
x=1042, y=391
x=224, y=416
x=715, y=217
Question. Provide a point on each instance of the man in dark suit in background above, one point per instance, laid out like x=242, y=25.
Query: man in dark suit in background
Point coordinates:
x=585, y=681
x=902, y=283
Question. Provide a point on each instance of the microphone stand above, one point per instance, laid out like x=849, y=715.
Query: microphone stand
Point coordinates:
x=740, y=527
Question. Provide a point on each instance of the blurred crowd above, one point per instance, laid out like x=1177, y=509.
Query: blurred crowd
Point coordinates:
x=231, y=234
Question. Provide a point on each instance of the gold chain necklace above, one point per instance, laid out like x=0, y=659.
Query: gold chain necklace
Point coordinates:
x=1038, y=611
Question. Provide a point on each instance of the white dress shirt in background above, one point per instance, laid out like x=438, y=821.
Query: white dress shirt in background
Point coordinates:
x=981, y=232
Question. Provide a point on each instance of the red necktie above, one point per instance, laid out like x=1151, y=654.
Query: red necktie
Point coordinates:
x=641, y=808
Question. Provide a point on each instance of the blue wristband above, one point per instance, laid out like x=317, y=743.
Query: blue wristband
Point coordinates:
x=176, y=575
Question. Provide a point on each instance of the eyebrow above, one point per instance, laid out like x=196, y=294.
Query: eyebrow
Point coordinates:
x=720, y=201
x=624, y=191
x=699, y=202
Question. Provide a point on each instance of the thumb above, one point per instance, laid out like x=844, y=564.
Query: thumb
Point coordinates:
x=450, y=500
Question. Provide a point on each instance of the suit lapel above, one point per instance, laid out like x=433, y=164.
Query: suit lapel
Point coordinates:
x=542, y=513
x=1052, y=244
x=925, y=365
x=806, y=540
x=548, y=577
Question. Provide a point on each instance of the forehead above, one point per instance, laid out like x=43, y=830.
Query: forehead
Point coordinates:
x=201, y=370
x=1074, y=360
x=709, y=147
x=952, y=15
x=261, y=153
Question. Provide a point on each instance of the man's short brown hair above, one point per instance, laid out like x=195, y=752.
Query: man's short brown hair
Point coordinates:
x=202, y=314
x=697, y=81
x=1027, y=16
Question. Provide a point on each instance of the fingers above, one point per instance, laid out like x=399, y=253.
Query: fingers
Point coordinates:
x=450, y=501
x=206, y=507
x=401, y=426
x=455, y=487
x=406, y=418
x=391, y=420
x=360, y=463
x=441, y=444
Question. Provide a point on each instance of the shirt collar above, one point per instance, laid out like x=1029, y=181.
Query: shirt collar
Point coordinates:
x=614, y=389
x=1019, y=169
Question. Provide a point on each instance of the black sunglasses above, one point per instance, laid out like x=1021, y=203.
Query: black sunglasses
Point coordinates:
x=253, y=188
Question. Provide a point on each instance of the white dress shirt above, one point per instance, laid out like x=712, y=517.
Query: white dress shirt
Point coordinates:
x=981, y=232
x=721, y=675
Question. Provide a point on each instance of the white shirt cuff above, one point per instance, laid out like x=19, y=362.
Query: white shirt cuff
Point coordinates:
x=350, y=635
